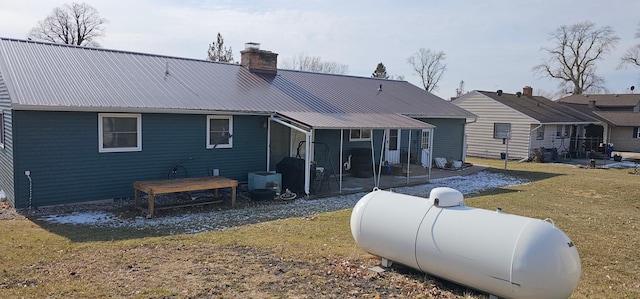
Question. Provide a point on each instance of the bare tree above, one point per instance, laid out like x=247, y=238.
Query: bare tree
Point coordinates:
x=380, y=72
x=314, y=64
x=218, y=52
x=632, y=56
x=72, y=24
x=573, y=56
x=429, y=65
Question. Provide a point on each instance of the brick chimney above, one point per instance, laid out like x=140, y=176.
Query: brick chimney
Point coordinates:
x=592, y=104
x=258, y=61
x=527, y=91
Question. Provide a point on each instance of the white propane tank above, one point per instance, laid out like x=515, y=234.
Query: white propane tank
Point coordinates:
x=505, y=255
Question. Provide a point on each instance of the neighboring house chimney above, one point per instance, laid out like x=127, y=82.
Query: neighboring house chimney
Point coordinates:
x=592, y=104
x=527, y=91
x=259, y=61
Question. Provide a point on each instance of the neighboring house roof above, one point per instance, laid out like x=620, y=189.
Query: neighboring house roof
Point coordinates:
x=50, y=76
x=620, y=118
x=603, y=100
x=539, y=108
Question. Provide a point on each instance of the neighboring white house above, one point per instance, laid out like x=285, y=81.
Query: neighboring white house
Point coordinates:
x=522, y=122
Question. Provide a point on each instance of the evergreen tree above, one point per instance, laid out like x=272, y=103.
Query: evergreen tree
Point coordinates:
x=380, y=72
x=218, y=52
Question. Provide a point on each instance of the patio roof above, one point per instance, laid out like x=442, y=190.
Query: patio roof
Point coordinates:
x=356, y=120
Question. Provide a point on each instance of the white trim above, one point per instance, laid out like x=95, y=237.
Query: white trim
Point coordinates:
x=138, y=146
x=228, y=118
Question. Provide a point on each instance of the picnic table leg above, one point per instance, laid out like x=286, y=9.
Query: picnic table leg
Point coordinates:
x=215, y=193
x=150, y=211
x=233, y=196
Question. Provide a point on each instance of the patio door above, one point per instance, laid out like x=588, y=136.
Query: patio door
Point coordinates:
x=392, y=152
x=424, y=146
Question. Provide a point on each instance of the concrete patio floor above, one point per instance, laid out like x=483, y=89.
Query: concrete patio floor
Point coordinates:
x=418, y=175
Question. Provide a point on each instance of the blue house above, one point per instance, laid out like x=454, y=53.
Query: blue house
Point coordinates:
x=81, y=124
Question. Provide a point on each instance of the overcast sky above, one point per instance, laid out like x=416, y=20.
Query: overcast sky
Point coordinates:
x=490, y=44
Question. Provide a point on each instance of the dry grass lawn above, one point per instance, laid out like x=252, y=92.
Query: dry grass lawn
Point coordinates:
x=315, y=257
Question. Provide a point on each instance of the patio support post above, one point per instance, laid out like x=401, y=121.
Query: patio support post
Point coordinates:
x=384, y=142
x=373, y=160
x=341, y=157
x=430, y=151
x=307, y=163
x=408, y=155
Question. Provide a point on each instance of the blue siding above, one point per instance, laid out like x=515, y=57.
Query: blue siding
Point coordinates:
x=61, y=151
x=448, y=137
x=6, y=153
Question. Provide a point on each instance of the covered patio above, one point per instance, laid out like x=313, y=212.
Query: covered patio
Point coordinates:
x=321, y=181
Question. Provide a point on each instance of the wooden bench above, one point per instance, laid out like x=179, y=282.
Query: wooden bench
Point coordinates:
x=182, y=185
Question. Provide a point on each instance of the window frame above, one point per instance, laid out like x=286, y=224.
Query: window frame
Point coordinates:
x=352, y=139
x=229, y=118
x=540, y=133
x=502, y=135
x=563, y=131
x=138, y=146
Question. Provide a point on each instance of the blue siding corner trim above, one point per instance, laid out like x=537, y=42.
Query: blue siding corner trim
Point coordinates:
x=6, y=153
x=61, y=151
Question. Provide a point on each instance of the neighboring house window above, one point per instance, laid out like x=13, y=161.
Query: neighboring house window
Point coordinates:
x=563, y=131
x=501, y=130
x=2, y=129
x=360, y=135
x=119, y=132
x=636, y=133
x=219, y=131
x=393, y=140
x=540, y=133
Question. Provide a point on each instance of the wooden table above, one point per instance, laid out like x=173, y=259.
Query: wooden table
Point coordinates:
x=182, y=185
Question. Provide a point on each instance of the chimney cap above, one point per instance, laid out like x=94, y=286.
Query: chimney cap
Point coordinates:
x=252, y=46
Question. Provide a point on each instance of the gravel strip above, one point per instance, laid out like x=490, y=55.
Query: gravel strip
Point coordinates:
x=101, y=215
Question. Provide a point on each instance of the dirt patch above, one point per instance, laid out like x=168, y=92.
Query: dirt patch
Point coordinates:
x=207, y=270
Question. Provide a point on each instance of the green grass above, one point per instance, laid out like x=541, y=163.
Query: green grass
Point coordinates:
x=305, y=258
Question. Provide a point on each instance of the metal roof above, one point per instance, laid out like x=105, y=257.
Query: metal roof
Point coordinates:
x=604, y=100
x=46, y=76
x=540, y=108
x=363, y=121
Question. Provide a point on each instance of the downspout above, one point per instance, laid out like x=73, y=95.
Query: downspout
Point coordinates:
x=464, y=142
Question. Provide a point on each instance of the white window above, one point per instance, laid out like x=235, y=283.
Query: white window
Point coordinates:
x=540, y=133
x=219, y=131
x=501, y=130
x=360, y=135
x=119, y=132
x=424, y=143
x=563, y=131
